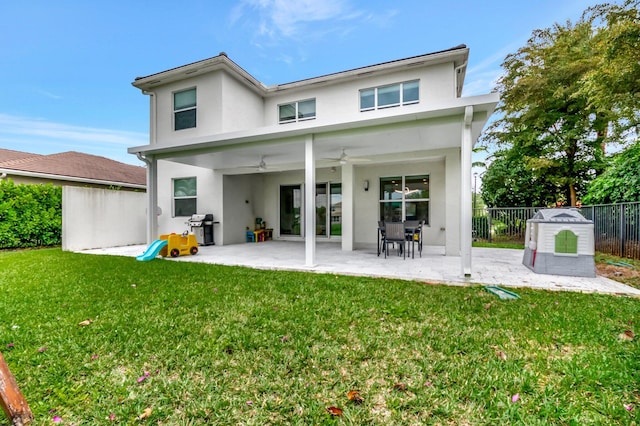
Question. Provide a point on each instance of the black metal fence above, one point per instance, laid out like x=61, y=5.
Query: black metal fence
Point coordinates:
x=616, y=226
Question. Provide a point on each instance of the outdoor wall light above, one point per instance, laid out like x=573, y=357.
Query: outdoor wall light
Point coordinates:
x=366, y=184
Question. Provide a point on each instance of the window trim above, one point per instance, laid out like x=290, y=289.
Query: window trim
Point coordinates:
x=187, y=197
x=297, y=119
x=185, y=109
x=404, y=200
x=376, y=89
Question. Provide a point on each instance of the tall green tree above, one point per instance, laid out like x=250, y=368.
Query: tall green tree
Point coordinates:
x=545, y=120
x=620, y=182
x=614, y=83
x=507, y=182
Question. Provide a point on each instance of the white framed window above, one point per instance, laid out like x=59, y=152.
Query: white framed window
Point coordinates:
x=185, y=192
x=390, y=95
x=184, y=109
x=297, y=111
x=404, y=198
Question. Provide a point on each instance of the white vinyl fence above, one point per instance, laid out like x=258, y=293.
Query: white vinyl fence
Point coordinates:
x=98, y=218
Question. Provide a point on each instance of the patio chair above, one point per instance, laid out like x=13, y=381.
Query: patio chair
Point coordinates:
x=412, y=232
x=380, y=236
x=394, y=232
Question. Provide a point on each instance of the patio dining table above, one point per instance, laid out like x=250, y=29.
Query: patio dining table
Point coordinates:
x=411, y=229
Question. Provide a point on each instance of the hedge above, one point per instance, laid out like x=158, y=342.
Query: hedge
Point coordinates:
x=30, y=215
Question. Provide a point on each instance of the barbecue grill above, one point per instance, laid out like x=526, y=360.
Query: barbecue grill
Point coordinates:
x=202, y=226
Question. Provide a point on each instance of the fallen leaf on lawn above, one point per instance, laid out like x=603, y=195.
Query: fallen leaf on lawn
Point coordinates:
x=146, y=413
x=501, y=355
x=400, y=387
x=627, y=335
x=487, y=305
x=628, y=407
x=84, y=323
x=334, y=411
x=515, y=397
x=354, y=396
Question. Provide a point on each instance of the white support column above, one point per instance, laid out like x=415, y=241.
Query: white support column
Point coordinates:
x=348, y=207
x=465, y=198
x=309, y=202
x=152, y=199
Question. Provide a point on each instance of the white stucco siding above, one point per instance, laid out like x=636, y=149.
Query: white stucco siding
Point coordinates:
x=243, y=109
x=367, y=203
x=341, y=102
x=208, y=198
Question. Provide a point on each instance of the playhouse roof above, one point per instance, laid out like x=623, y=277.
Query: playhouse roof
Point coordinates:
x=571, y=215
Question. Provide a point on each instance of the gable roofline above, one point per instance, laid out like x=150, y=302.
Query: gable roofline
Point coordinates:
x=458, y=55
x=220, y=62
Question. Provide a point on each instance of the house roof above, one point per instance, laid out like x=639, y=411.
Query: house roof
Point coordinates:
x=73, y=166
x=570, y=215
x=459, y=54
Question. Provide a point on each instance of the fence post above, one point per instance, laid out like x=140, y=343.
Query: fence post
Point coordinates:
x=489, y=223
x=622, y=229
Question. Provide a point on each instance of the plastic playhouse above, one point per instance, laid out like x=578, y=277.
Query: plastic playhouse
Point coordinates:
x=173, y=245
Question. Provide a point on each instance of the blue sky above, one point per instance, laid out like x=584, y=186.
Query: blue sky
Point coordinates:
x=66, y=66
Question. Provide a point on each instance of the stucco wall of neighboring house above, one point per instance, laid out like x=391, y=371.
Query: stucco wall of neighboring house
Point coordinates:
x=96, y=218
x=208, y=184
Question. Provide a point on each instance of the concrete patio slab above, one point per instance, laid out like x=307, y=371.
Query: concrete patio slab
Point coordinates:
x=489, y=266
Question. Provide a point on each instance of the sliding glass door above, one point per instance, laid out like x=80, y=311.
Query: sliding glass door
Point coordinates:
x=290, y=209
x=328, y=210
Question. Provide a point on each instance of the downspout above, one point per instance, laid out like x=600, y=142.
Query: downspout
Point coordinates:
x=152, y=196
x=3, y=176
x=153, y=115
x=455, y=75
x=152, y=172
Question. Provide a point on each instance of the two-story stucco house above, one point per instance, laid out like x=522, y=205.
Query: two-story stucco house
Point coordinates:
x=321, y=159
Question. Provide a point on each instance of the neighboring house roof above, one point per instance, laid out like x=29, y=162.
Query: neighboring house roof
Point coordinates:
x=72, y=166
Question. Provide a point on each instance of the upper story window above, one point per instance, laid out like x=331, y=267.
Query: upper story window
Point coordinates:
x=391, y=95
x=184, y=109
x=297, y=111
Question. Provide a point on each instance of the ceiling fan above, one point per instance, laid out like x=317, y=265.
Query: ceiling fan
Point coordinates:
x=344, y=158
x=260, y=167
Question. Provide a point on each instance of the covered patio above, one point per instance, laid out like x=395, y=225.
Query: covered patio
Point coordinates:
x=501, y=267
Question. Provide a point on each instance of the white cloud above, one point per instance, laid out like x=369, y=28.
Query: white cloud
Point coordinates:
x=44, y=137
x=30, y=127
x=280, y=18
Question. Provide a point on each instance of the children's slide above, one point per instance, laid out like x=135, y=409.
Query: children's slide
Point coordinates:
x=152, y=251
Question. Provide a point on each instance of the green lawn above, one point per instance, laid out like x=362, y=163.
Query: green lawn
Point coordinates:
x=202, y=344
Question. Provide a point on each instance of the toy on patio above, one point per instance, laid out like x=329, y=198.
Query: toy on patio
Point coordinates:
x=173, y=245
x=260, y=232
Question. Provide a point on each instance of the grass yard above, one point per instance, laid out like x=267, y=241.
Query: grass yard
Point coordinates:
x=177, y=343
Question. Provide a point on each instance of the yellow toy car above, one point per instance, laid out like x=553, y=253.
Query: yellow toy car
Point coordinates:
x=179, y=245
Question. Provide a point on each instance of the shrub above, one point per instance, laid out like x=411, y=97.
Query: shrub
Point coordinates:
x=30, y=215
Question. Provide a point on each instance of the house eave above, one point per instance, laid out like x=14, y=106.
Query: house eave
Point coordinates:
x=458, y=55
x=220, y=62
x=49, y=176
x=482, y=103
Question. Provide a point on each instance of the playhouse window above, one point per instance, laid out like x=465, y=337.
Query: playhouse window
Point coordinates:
x=566, y=242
